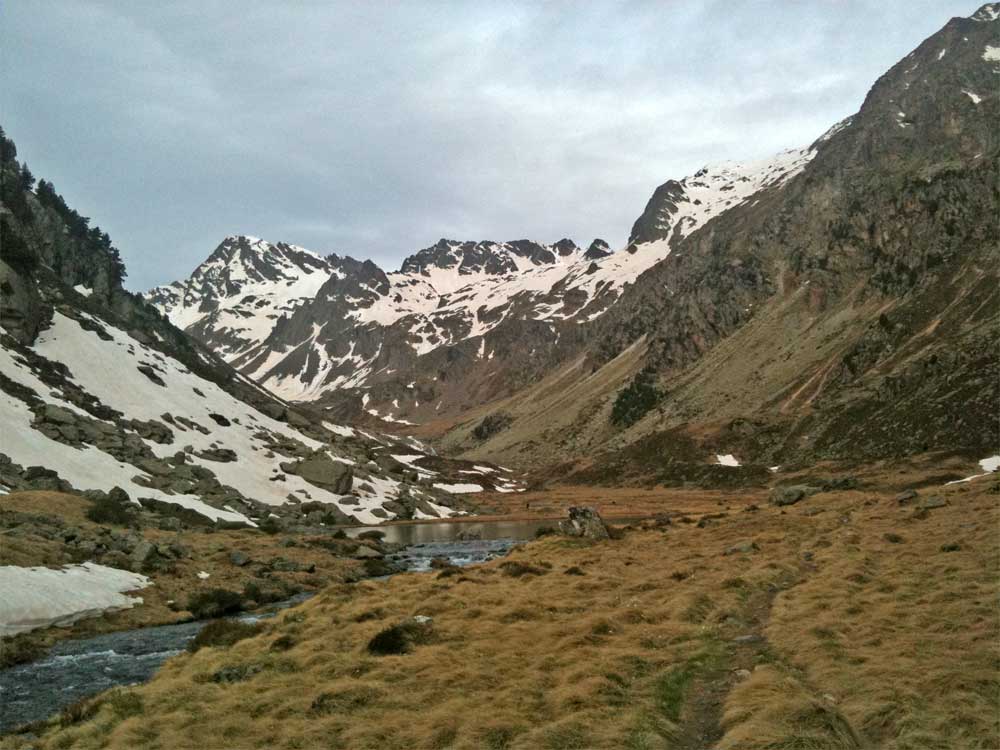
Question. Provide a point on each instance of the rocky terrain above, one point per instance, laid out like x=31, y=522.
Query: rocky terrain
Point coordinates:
x=98, y=392
x=784, y=386
x=834, y=302
x=851, y=315
x=458, y=324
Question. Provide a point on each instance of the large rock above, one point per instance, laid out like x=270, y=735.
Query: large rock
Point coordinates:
x=586, y=523
x=324, y=472
x=782, y=496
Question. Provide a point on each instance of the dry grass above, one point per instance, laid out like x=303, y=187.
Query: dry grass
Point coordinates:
x=847, y=641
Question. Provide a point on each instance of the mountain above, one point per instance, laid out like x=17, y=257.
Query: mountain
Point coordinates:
x=98, y=391
x=833, y=302
x=850, y=316
x=458, y=324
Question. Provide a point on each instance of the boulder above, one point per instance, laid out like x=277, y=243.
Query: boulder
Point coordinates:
x=144, y=555
x=935, y=501
x=57, y=415
x=906, y=496
x=743, y=548
x=364, y=552
x=790, y=495
x=239, y=559
x=586, y=523
x=322, y=471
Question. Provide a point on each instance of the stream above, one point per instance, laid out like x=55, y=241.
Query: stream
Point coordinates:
x=75, y=669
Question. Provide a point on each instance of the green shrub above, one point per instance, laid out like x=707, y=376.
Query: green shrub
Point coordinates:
x=223, y=633
x=636, y=399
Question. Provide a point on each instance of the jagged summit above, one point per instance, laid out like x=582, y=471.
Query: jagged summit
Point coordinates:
x=988, y=12
x=307, y=326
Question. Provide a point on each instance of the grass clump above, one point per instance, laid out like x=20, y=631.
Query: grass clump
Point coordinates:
x=517, y=569
x=344, y=701
x=223, y=634
x=498, y=737
x=400, y=638
x=78, y=711
x=125, y=703
x=671, y=689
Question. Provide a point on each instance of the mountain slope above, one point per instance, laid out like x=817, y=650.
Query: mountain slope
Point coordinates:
x=485, y=317
x=851, y=315
x=98, y=390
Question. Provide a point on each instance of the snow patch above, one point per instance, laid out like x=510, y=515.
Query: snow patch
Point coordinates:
x=40, y=597
x=988, y=465
x=458, y=488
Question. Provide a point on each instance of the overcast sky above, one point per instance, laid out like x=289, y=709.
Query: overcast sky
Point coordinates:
x=375, y=128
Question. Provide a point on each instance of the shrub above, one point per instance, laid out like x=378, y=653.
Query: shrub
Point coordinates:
x=544, y=531
x=373, y=534
x=213, y=603
x=269, y=525
x=110, y=511
x=400, y=638
x=223, y=633
x=78, y=711
x=635, y=399
x=517, y=569
x=491, y=425
x=344, y=701
x=283, y=643
x=125, y=703
x=19, y=649
x=575, y=570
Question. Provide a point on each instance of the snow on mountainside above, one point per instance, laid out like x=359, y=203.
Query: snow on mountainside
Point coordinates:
x=305, y=326
x=101, y=410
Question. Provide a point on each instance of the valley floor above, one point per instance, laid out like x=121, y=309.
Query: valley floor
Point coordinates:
x=847, y=620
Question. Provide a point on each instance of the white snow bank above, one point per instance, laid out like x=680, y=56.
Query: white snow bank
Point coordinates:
x=459, y=488
x=727, y=460
x=86, y=291
x=988, y=465
x=32, y=598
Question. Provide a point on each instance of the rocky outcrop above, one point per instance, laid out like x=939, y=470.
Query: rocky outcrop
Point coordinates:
x=585, y=523
x=322, y=471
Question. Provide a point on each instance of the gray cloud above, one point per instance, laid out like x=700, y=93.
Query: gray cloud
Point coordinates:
x=373, y=128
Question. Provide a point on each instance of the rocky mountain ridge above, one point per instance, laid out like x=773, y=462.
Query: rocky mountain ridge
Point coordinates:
x=99, y=393
x=850, y=316
x=486, y=317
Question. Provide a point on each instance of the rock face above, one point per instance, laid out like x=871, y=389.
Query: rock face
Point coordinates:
x=847, y=309
x=586, y=523
x=323, y=471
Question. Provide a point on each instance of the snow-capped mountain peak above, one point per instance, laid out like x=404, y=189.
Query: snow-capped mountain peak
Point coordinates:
x=304, y=325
